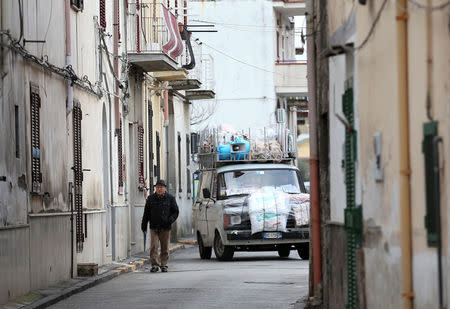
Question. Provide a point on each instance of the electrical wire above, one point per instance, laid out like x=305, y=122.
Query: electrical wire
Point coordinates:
x=48, y=26
x=372, y=28
x=240, y=61
x=66, y=72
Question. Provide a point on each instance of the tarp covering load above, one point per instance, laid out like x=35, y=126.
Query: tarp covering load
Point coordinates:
x=269, y=209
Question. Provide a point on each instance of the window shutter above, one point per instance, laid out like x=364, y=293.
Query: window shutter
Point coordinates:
x=78, y=175
x=35, y=105
x=179, y=163
x=141, y=155
x=158, y=157
x=120, y=156
x=150, y=143
x=188, y=176
x=103, y=14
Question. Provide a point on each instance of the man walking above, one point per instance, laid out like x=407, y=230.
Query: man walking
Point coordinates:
x=161, y=210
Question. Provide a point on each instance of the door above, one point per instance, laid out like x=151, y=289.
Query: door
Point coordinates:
x=201, y=205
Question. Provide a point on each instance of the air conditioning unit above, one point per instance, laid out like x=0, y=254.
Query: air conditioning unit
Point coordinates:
x=281, y=115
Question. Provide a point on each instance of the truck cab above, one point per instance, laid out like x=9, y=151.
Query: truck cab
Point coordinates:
x=251, y=206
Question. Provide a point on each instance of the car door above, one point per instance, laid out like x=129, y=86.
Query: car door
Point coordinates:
x=212, y=212
x=201, y=204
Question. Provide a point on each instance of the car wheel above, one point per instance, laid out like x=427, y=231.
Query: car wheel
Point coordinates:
x=222, y=252
x=303, y=251
x=284, y=251
x=205, y=252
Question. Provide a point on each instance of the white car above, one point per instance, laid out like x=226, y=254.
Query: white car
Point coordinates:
x=228, y=212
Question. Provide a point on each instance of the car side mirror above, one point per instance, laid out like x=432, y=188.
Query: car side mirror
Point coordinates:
x=206, y=193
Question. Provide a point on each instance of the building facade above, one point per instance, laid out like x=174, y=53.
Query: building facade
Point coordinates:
x=90, y=123
x=381, y=95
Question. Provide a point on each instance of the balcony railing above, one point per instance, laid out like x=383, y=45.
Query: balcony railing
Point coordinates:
x=147, y=34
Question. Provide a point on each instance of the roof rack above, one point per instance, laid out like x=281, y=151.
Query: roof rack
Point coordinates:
x=224, y=148
x=211, y=160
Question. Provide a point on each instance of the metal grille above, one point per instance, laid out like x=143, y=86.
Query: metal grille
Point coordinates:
x=102, y=14
x=120, y=156
x=150, y=143
x=158, y=157
x=179, y=163
x=78, y=175
x=141, y=154
x=35, y=105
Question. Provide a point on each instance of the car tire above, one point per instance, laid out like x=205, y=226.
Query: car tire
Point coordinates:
x=222, y=252
x=303, y=251
x=284, y=251
x=205, y=252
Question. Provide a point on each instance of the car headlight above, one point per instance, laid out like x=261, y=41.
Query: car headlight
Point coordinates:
x=230, y=220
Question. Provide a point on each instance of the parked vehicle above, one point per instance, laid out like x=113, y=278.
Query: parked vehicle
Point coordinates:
x=246, y=203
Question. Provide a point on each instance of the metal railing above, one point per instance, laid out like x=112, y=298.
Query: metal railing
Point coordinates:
x=147, y=29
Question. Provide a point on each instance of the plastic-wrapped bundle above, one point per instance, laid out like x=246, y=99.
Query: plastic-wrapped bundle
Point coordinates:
x=300, y=207
x=268, y=210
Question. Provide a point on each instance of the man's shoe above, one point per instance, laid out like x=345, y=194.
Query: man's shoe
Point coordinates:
x=164, y=269
x=154, y=269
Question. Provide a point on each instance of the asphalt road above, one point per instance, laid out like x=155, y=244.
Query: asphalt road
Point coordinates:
x=251, y=280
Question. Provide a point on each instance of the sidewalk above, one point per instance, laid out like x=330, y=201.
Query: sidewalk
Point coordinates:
x=46, y=297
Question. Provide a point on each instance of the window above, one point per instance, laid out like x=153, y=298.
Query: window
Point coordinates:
x=35, y=105
x=16, y=131
x=120, y=156
x=205, y=182
x=78, y=175
x=141, y=155
x=77, y=4
x=179, y=163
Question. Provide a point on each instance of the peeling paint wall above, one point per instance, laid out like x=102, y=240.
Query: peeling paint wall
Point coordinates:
x=376, y=98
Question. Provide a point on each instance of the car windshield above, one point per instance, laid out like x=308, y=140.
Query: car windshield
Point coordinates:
x=249, y=181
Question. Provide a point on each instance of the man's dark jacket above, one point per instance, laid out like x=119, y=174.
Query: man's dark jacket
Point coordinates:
x=161, y=211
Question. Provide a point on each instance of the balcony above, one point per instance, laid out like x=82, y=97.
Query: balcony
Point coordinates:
x=290, y=78
x=290, y=7
x=148, y=36
x=203, y=72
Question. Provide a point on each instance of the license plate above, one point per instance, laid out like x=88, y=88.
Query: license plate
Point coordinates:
x=272, y=235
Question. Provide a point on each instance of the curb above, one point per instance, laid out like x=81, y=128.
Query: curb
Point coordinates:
x=93, y=281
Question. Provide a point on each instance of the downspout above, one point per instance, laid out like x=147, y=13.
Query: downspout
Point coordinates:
x=69, y=103
x=166, y=126
x=116, y=61
x=69, y=107
x=313, y=156
x=405, y=169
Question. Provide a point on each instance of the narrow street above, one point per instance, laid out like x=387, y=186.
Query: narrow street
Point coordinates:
x=251, y=280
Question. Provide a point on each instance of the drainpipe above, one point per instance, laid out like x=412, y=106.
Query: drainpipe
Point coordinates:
x=166, y=125
x=69, y=104
x=405, y=170
x=116, y=60
x=313, y=156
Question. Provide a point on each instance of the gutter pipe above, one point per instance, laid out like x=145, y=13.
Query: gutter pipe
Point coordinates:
x=404, y=159
x=69, y=104
x=313, y=157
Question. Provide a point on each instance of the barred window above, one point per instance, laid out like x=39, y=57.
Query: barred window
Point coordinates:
x=188, y=174
x=158, y=157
